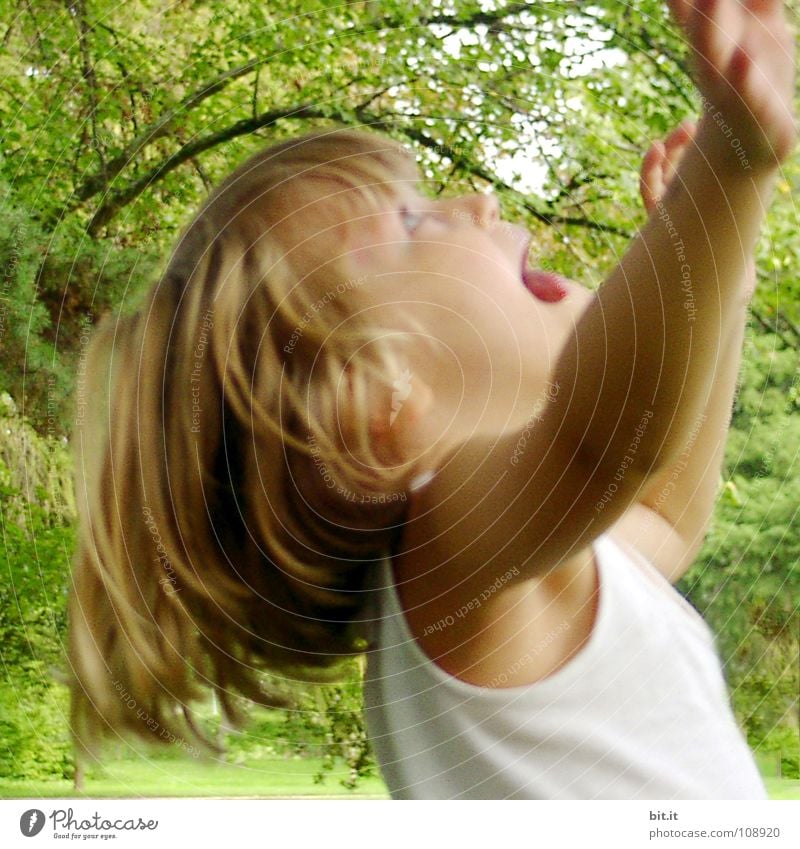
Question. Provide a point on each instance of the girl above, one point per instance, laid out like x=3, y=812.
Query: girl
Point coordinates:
x=350, y=417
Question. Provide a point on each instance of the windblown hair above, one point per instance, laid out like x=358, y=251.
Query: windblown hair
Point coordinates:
x=228, y=510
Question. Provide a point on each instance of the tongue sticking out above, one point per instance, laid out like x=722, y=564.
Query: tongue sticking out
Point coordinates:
x=545, y=285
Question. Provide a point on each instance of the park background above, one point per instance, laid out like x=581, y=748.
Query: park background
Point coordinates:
x=116, y=118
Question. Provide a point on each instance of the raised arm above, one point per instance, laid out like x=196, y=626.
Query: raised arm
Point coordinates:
x=668, y=522
x=637, y=372
x=653, y=337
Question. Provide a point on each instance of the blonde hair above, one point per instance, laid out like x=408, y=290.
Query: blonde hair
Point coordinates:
x=228, y=514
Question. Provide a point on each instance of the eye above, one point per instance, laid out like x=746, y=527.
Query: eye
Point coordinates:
x=411, y=219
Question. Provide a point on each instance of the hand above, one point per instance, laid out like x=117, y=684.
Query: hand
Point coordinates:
x=744, y=60
x=658, y=170
x=660, y=163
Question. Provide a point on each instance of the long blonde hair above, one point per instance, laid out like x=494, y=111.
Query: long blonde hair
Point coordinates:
x=226, y=520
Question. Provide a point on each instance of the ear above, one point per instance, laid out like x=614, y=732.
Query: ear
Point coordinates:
x=399, y=421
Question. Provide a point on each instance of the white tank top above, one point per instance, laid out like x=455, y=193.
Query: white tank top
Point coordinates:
x=640, y=712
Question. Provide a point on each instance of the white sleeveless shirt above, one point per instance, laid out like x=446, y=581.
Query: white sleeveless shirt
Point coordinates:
x=640, y=712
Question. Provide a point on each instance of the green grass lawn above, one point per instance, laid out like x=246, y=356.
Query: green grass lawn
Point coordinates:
x=263, y=778
x=783, y=788
x=778, y=788
x=173, y=777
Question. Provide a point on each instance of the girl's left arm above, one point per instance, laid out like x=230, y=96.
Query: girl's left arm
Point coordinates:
x=669, y=522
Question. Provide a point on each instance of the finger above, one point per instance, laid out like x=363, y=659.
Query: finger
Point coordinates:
x=715, y=28
x=682, y=133
x=675, y=146
x=759, y=7
x=741, y=73
x=680, y=10
x=651, y=183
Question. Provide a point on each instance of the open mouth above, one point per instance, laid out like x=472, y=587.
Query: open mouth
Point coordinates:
x=545, y=285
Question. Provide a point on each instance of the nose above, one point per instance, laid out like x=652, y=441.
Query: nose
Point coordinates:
x=483, y=209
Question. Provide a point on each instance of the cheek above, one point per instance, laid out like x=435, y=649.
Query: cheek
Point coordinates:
x=371, y=244
x=362, y=261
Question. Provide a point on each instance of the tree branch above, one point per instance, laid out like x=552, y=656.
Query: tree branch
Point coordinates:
x=91, y=80
x=157, y=129
x=772, y=327
x=116, y=201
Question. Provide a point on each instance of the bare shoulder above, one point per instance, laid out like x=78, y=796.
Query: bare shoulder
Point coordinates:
x=643, y=530
x=505, y=635
x=521, y=499
x=493, y=628
x=478, y=616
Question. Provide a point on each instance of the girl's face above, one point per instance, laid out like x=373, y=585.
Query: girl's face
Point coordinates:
x=496, y=325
